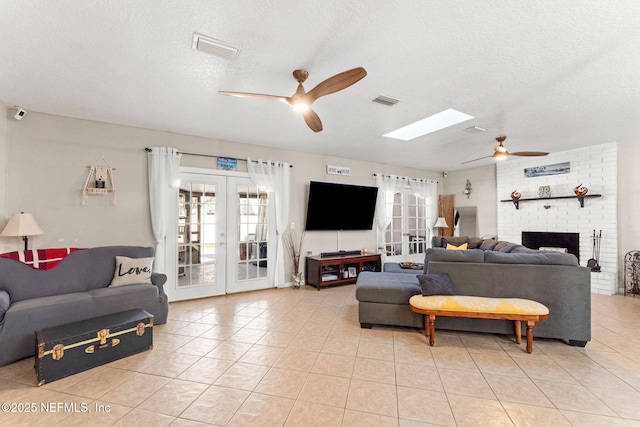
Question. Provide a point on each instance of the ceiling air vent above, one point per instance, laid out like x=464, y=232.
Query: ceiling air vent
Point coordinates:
x=214, y=47
x=386, y=100
x=475, y=129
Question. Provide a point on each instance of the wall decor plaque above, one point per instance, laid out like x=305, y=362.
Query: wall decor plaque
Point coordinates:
x=556, y=169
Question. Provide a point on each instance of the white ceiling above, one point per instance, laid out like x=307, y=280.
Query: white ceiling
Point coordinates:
x=552, y=75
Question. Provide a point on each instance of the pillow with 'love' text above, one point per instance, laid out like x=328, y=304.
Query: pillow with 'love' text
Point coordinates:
x=131, y=271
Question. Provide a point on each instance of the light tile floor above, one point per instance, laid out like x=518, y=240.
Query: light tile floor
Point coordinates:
x=299, y=358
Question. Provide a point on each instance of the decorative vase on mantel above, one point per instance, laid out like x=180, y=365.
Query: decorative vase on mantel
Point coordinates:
x=580, y=190
x=515, y=195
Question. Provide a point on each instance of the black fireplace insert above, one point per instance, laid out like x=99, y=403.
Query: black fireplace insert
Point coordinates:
x=538, y=239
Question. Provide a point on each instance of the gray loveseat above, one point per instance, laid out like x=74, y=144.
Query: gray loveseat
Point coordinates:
x=553, y=279
x=76, y=289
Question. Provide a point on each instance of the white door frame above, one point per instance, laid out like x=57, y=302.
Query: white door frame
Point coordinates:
x=230, y=241
x=418, y=247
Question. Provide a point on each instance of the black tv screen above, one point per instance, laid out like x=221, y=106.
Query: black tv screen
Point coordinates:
x=340, y=206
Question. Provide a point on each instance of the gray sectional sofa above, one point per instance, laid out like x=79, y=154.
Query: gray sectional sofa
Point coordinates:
x=551, y=278
x=76, y=289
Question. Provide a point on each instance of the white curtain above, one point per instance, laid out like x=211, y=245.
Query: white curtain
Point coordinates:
x=429, y=190
x=387, y=186
x=456, y=224
x=261, y=229
x=164, y=179
x=275, y=179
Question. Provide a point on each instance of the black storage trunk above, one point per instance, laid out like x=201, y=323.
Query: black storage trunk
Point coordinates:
x=75, y=347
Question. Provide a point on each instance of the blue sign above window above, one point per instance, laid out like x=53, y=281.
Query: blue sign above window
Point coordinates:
x=227, y=163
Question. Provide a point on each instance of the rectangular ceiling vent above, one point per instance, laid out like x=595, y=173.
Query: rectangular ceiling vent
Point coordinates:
x=386, y=100
x=475, y=129
x=214, y=47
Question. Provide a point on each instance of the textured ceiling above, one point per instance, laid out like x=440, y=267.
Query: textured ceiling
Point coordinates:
x=550, y=75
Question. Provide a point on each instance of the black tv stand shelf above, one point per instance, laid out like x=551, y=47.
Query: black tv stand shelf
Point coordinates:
x=516, y=203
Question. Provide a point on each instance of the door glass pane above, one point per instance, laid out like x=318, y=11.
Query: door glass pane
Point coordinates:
x=393, y=234
x=417, y=224
x=253, y=220
x=196, y=234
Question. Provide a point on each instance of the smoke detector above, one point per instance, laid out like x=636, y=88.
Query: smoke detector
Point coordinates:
x=214, y=47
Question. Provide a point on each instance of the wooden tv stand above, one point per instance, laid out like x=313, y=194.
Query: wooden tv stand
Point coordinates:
x=331, y=270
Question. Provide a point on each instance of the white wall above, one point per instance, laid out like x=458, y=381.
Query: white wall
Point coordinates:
x=4, y=161
x=483, y=195
x=628, y=201
x=43, y=161
x=594, y=167
x=47, y=166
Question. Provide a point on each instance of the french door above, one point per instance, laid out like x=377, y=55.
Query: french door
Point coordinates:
x=407, y=236
x=223, y=235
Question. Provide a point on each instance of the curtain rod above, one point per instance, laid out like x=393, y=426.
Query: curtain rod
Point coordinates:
x=404, y=177
x=205, y=155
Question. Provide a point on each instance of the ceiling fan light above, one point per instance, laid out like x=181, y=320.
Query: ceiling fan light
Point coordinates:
x=500, y=156
x=300, y=107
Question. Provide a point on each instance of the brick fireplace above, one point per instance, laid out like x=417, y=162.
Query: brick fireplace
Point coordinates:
x=596, y=168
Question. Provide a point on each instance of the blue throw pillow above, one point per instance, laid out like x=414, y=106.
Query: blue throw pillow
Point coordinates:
x=435, y=284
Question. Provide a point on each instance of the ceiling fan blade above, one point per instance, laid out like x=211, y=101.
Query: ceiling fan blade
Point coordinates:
x=336, y=83
x=529, y=153
x=284, y=99
x=474, y=160
x=312, y=120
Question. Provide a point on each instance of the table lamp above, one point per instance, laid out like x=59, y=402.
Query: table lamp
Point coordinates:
x=22, y=224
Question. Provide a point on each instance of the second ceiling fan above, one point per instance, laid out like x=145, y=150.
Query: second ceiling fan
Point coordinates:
x=301, y=101
x=500, y=152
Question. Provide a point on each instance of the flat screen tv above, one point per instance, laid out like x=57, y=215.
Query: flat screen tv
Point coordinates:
x=340, y=206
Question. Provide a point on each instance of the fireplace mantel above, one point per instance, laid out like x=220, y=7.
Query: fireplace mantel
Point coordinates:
x=516, y=202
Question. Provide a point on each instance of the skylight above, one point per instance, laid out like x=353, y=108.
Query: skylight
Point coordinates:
x=434, y=123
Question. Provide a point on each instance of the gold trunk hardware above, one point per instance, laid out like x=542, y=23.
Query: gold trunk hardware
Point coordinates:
x=102, y=335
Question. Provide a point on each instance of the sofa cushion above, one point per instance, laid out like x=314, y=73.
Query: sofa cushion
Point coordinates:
x=123, y=298
x=523, y=249
x=462, y=247
x=505, y=247
x=488, y=244
x=441, y=254
x=435, y=284
x=131, y=271
x=541, y=258
x=454, y=240
x=474, y=242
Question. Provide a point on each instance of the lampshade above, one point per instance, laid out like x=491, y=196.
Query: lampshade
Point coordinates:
x=441, y=223
x=22, y=224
